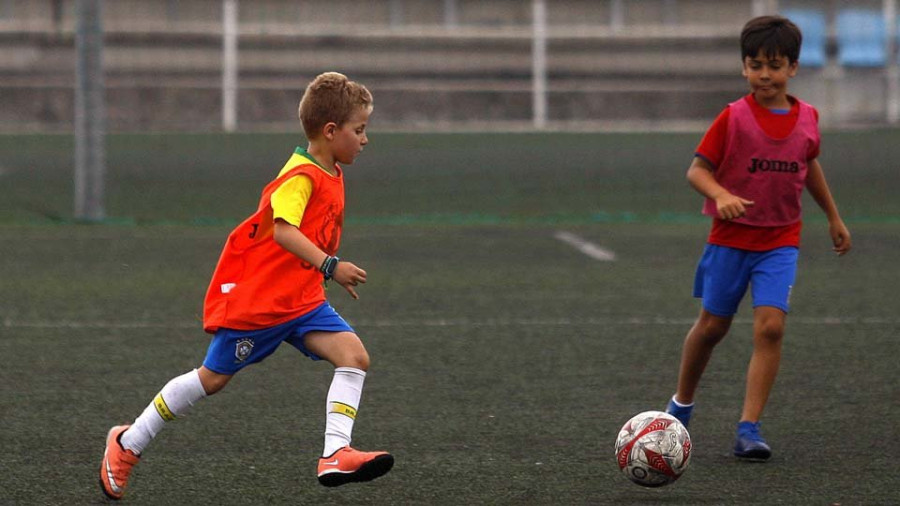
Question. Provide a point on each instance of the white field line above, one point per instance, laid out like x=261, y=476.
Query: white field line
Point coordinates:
x=588, y=248
x=465, y=322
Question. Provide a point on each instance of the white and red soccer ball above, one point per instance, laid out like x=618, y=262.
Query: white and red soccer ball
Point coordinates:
x=653, y=449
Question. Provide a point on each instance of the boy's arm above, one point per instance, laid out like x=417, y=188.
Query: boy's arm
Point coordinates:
x=292, y=239
x=818, y=188
x=700, y=176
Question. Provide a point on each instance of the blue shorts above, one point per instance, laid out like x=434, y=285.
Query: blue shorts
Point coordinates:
x=724, y=273
x=231, y=350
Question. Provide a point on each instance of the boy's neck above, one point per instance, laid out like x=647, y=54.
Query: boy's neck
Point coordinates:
x=779, y=102
x=322, y=158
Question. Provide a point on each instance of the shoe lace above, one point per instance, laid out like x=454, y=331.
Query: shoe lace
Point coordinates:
x=751, y=431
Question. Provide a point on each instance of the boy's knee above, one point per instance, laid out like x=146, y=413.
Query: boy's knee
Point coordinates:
x=770, y=331
x=769, y=324
x=354, y=356
x=713, y=327
x=214, y=386
x=352, y=353
x=212, y=382
x=716, y=330
x=358, y=359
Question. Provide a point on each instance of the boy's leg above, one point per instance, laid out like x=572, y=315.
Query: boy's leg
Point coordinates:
x=125, y=443
x=774, y=273
x=175, y=398
x=768, y=333
x=721, y=280
x=703, y=337
x=768, y=330
x=707, y=332
x=340, y=463
x=347, y=353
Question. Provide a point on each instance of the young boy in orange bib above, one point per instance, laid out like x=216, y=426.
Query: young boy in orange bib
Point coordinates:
x=268, y=288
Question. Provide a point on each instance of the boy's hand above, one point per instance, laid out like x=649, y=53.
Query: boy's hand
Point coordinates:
x=731, y=206
x=840, y=237
x=348, y=275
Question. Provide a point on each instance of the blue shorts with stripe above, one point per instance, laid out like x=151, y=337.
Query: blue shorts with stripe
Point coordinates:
x=723, y=275
x=231, y=350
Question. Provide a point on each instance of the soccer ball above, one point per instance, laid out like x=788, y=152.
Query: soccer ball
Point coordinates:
x=653, y=449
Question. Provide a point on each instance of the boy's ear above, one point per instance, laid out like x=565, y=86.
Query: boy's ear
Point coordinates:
x=792, y=69
x=329, y=129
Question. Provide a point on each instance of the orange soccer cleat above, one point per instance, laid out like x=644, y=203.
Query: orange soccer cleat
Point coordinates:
x=348, y=465
x=117, y=464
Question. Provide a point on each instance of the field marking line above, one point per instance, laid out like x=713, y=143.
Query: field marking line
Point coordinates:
x=588, y=248
x=9, y=323
x=70, y=324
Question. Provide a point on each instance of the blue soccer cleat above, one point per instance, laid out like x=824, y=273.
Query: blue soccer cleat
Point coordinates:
x=680, y=411
x=749, y=444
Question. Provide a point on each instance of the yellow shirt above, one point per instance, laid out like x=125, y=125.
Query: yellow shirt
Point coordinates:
x=290, y=199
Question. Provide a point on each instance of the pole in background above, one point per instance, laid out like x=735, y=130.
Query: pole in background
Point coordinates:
x=90, y=113
x=451, y=13
x=229, y=64
x=539, y=64
x=889, y=8
x=670, y=12
x=617, y=15
x=396, y=13
x=764, y=7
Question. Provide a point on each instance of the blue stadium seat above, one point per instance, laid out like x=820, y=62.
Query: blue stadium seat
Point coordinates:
x=815, y=35
x=860, y=38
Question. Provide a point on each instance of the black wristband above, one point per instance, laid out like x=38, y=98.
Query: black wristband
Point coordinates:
x=328, y=266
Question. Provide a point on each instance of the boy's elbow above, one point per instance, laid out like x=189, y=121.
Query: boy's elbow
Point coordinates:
x=278, y=238
x=691, y=174
x=281, y=232
x=699, y=168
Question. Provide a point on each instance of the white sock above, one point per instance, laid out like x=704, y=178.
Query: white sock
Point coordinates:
x=340, y=407
x=173, y=400
x=681, y=405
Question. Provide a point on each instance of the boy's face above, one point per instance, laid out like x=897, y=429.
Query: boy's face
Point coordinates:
x=350, y=137
x=768, y=77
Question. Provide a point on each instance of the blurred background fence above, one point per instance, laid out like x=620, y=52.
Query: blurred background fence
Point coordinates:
x=212, y=65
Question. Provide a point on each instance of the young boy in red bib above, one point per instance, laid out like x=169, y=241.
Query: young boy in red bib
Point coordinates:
x=268, y=288
x=752, y=166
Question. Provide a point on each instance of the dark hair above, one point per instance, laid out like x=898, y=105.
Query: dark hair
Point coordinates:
x=774, y=35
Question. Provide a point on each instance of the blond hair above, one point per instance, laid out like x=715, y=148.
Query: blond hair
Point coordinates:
x=331, y=97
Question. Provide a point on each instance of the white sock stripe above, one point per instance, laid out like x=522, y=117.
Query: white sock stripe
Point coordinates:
x=681, y=405
x=350, y=370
